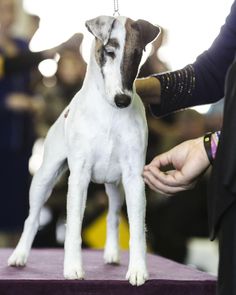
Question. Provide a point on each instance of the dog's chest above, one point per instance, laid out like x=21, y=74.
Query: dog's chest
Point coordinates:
x=103, y=139
x=106, y=160
x=96, y=139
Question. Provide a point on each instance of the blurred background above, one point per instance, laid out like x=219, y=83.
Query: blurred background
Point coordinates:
x=44, y=49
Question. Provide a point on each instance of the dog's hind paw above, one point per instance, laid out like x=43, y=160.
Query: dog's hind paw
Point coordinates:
x=137, y=276
x=17, y=259
x=73, y=273
x=111, y=257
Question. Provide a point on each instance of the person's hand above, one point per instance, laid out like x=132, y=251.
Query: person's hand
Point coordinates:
x=148, y=89
x=189, y=160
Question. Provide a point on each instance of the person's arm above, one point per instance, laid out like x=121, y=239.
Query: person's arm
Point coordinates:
x=189, y=160
x=199, y=83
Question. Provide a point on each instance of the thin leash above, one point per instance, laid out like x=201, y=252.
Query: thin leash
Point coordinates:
x=116, y=8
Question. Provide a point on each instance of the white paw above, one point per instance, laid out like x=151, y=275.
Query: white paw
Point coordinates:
x=73, y=273
x=18, y=258
x=111, y=256
x=137, y=275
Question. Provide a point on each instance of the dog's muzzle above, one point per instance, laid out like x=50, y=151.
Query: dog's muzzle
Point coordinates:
x=122, y=100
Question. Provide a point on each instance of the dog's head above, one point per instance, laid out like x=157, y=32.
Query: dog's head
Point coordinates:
x=119, y=44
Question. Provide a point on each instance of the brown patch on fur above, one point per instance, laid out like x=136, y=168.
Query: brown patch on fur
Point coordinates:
x=132, y=55
x=66, y=113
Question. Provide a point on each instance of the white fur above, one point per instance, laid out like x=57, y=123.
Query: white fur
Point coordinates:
x=104, y=144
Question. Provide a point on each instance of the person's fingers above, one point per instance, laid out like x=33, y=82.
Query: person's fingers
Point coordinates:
x=152, y=187
x=159, y=186
x=161, y=160
x=172, y=178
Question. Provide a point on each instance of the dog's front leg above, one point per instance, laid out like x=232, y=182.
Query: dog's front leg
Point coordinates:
x=76, y=199
x=136, y=207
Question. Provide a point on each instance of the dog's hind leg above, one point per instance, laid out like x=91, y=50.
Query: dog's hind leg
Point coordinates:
x=41, y=187
x=116, y=198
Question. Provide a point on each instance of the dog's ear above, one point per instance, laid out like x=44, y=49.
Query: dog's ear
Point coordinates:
x=148, y=32
x=101, y=27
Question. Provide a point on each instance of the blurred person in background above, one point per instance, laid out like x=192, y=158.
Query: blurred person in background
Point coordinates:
x=16, y=128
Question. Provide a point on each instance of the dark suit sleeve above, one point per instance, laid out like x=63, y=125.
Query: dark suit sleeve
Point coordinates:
x=203, y=81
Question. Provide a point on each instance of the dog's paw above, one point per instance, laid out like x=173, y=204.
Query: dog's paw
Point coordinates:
x=137, y=275
x=111, y=256
x=73, y=273
x=17, y=259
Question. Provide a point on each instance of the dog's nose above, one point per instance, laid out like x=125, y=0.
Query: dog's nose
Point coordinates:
x=122, y=100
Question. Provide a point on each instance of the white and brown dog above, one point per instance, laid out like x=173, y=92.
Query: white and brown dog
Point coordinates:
x=101, y=136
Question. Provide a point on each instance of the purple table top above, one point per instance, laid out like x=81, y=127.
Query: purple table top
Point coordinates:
x=44, y=272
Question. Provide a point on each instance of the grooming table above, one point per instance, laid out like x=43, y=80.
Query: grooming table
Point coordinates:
x=43, y=275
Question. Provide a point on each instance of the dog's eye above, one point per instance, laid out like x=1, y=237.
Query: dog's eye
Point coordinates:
x=109, y=51
x=111, y=54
